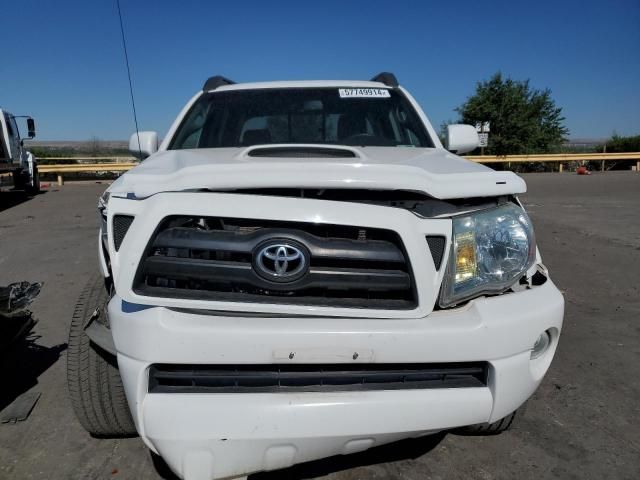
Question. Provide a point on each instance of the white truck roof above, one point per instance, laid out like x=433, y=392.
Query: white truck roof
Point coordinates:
x=382, y=80
x=301, y=84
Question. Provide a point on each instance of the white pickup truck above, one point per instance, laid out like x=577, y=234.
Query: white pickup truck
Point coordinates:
x=300, y=270
x=18, y=167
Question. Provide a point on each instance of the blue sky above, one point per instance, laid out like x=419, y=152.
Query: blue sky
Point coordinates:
x=63, y=61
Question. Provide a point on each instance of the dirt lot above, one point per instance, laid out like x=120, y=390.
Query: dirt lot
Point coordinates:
x=582, y=423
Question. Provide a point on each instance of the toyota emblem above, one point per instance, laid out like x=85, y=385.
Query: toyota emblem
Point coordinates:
x=281, y=261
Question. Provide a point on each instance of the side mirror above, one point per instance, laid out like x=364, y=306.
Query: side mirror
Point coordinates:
x=31, y=127
x=461, y=138
x=148, y=144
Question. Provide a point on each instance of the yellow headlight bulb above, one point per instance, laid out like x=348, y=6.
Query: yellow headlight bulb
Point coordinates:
x=466, y=264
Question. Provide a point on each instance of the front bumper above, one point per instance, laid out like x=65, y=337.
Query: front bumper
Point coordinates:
x=203, y=436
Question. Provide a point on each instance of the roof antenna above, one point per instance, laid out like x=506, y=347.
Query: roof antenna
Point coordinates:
x=126, y=58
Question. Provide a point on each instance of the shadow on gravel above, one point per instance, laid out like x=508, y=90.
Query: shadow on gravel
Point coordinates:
x=162, y=469
x=24, y=361
x=12, y=198
x=393, y=452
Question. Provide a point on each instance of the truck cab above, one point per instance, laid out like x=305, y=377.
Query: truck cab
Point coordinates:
x=18, y=166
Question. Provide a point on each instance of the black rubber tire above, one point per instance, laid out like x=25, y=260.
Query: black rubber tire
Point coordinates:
x=19, y=180
x=22, y=181
x=33, y=186
x=496, y=427
x=93, y=378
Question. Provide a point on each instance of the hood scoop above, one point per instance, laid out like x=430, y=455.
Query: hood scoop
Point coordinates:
x=297, y=151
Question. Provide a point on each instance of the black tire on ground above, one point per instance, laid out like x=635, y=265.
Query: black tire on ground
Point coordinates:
x=94, y=382
x=496, y=427
x=33, y=186
x=19, y=181
x=22, y=181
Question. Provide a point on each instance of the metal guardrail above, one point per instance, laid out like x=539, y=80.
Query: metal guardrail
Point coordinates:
x=122, y=164
x=114, y=159
x=88, y=167
x=559, y=157
x=555, y=157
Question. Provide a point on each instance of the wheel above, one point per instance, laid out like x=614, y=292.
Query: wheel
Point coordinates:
x=93, y=378
x=19, y=180
x=496, y=427
x=30, y=184
x=33, y=186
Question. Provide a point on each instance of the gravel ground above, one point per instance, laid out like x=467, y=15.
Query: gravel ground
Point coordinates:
x=582, y=423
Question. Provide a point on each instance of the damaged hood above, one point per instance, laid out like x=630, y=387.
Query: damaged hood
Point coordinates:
x=434, y=172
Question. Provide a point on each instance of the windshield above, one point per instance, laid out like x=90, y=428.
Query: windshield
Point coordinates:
x=338, y=116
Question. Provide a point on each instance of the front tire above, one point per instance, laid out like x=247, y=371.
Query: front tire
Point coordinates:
x=93, y=378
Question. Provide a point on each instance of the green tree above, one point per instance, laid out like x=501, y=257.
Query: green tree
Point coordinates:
x=623, y=144
x=523, y=119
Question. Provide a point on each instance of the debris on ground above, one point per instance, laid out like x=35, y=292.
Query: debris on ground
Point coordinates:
x=20, y=408
x=15, y=298
x=15, y=319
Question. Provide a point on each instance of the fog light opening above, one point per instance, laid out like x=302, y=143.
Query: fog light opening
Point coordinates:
x=541, y=345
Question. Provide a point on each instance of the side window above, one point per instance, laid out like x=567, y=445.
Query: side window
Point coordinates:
x=192, y=140
x=415, y=141
x=189, y=135
x=8, y=122
x=3, y=155
x=14, y=125
x=12, y=132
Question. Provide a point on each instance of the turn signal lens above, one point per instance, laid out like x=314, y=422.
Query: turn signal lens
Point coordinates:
x=466, y=265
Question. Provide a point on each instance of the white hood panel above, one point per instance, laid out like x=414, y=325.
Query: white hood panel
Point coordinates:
x=434, y=172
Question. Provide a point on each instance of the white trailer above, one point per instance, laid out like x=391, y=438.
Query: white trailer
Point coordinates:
x=18, y=167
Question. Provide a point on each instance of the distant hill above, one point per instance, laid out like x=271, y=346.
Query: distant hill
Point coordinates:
x=71, y=148
x=77, y=143
x=97, y=147
x=585, y=142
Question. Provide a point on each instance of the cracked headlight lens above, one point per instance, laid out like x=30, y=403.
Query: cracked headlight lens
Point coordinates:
x=103, y=202
x=491, y=250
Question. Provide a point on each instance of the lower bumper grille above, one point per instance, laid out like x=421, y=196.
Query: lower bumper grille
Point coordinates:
x=313, y=378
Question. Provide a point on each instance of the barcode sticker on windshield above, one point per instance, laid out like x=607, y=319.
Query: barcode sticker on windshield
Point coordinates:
x=364, y=93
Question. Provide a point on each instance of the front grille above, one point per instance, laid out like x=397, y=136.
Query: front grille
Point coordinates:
x=216, y=259
x=313, y=378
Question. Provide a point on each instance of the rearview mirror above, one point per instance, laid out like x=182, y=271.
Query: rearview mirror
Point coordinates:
x=148, y=144
x=31, y=128
x=461, y=138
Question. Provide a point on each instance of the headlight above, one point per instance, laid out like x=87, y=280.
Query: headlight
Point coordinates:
x=103, y=202
x=491, y=250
